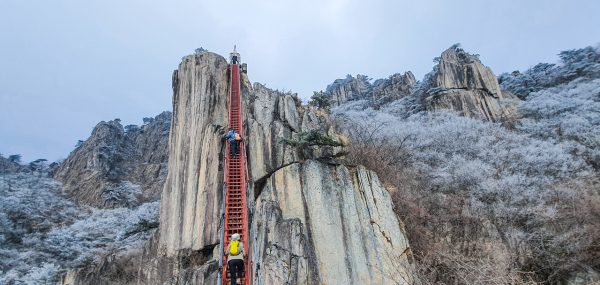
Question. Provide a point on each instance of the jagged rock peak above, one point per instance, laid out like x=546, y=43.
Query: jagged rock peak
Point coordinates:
x=351, y=88
x=291, y=186
x=460, y=82
x=458, y=69
x=396, y=86
x=112, y=156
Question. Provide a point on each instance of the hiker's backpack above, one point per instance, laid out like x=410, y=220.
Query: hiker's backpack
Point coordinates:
x=234, y=250
x=238, y=137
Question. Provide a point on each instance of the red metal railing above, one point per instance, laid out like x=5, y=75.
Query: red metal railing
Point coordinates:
x=236, y=179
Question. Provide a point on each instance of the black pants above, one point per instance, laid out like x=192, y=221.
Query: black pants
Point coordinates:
x=233, y=144
x=236, y=267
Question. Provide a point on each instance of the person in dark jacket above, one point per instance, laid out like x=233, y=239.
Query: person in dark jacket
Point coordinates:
x=233, y=144
x=235, y=261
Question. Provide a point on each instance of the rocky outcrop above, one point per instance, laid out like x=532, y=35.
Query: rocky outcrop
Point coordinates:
x=273, y=115
x=98, y=170
x=395, y=87
x=294, y=191
x=191, y=200
x=461, y=83
x=351, y=87
x=459, y=70
x=309, y=205
x=7, y=166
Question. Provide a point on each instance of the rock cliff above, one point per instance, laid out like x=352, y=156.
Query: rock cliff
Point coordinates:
x=461, y=83
x=192, y=196
x=321, y=223
x=96, y=172
x=317, y=221
x=342, y=90
x=392, y=88
x=306, y=203
x=395, y=87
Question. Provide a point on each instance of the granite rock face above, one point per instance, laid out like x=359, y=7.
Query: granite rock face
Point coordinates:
x=319, y=223
x=316, y=220
x=459, y=70
x=309, y=205
x=111, y=157
x=461, y=83
x=273, y=115
x=192, y=196
x=395, y=87
x=293, y=191
x=350, y=87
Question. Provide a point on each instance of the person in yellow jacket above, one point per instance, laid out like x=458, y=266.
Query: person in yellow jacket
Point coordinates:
x=235, y=258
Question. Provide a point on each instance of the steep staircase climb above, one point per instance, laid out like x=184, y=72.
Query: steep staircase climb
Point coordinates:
x=235, y=217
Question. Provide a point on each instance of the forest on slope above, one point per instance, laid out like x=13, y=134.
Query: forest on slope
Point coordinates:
x=509, y=202
x=46, y=230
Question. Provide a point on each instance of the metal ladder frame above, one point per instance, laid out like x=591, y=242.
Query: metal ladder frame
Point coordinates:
x=243, y=180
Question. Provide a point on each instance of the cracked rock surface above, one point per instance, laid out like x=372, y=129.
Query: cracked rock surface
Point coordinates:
x=112, y=156
x=323, y=224
x=460, y=82
x=316, y=222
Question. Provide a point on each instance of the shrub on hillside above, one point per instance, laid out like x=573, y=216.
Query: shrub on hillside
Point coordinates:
x=43, y=234
x=471, y=191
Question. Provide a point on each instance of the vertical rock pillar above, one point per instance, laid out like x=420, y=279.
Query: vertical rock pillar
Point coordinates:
x=192, y=195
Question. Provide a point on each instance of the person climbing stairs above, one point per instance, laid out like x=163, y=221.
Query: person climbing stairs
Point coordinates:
x=235, y=219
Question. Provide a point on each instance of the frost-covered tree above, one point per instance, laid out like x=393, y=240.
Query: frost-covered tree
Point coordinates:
x=320, y=100
x=582, y=64
x=132, y=128
x=38, y=165
x=15, y=158
x=43, y=234
x=148, y=120
x=200, y=49
x=562, y=101
x=122, y=194
x=79, y=143
x=463, y=175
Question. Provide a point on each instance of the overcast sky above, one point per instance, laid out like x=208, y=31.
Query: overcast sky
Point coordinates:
x=67, y=65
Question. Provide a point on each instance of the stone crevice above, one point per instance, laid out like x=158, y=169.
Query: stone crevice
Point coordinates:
x=259, y=183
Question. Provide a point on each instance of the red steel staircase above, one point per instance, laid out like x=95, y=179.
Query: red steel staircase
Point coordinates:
x=235, y=217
